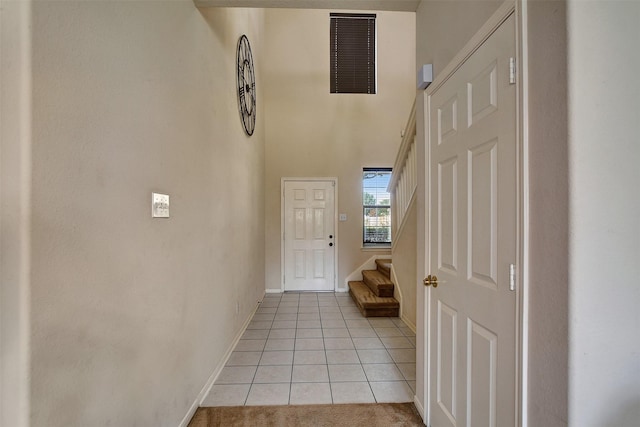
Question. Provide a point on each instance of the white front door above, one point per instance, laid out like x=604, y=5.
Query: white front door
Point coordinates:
x=473, y=186
x=309, y=235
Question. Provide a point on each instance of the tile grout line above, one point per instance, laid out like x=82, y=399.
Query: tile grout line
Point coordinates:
x=375, y=399
x=342, y=309
x=293, y=354
x=259, y=360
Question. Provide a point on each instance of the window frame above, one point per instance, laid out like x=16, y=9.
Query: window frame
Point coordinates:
x=370, y=244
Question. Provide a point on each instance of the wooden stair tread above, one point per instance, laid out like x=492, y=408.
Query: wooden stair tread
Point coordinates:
x=371, y=305
x=379, y=284
x=369, y=299
x=384, y=266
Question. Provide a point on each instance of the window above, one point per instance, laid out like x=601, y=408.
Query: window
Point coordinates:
x=353, y=53
x=376, y=206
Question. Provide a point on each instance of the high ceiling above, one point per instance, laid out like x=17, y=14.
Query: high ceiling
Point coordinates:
x=394, y=5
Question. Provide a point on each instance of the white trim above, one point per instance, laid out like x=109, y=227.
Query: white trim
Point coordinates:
x=216, y=372
x=412, y=201
x=408, y=139
x=522, y=79
x=426, y=369
x=396, y=286
x=16, y=214
x=409, y=323
x=386, y=249
x=356, y=275
x=420, y=408
x=405, y=319
x=335, y=225
x=374, y=246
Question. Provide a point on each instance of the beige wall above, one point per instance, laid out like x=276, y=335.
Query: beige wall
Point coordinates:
x=604, y=213
x=584, y=231
x=312, y=133
x=549, y=215
x=131, y=315
x=404, y=265
x=442, y=29
x=445, y=26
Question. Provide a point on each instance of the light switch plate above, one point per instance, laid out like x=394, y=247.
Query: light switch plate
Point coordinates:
x=343, y=217
x=159, y=205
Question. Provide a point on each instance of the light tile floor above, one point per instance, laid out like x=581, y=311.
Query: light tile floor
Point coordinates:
x=315, y=348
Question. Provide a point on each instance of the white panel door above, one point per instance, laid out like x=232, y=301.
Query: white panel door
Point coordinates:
x=472, y=167
x=309, y=236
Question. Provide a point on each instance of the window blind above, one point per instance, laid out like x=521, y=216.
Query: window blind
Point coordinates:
x=353, y=53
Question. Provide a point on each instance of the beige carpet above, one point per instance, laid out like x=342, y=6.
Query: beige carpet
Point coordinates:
x=378, y=414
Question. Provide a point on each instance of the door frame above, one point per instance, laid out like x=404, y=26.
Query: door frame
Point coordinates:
x=509, y=7
x=16, y=216
x=331, y=179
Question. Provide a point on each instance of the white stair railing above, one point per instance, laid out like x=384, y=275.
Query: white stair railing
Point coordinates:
x=404, y=178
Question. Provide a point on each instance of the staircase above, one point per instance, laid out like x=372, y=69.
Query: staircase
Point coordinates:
x=374, y=294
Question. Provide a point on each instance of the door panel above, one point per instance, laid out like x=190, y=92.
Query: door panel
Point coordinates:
x=482, y=94
x=309, y=249
x=482, y=214
x=448, y=215
x=447, y=360
x=472, y=167
x=481, y=372
x=447, y=120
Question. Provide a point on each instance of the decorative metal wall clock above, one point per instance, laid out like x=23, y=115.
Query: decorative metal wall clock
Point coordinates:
x=246, y=86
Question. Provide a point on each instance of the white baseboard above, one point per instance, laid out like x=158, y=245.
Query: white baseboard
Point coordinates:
x=397, y=290
x=408, y=323
x=404, y=318
x=278, y=291
x=420, y=409
x=214, y=375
